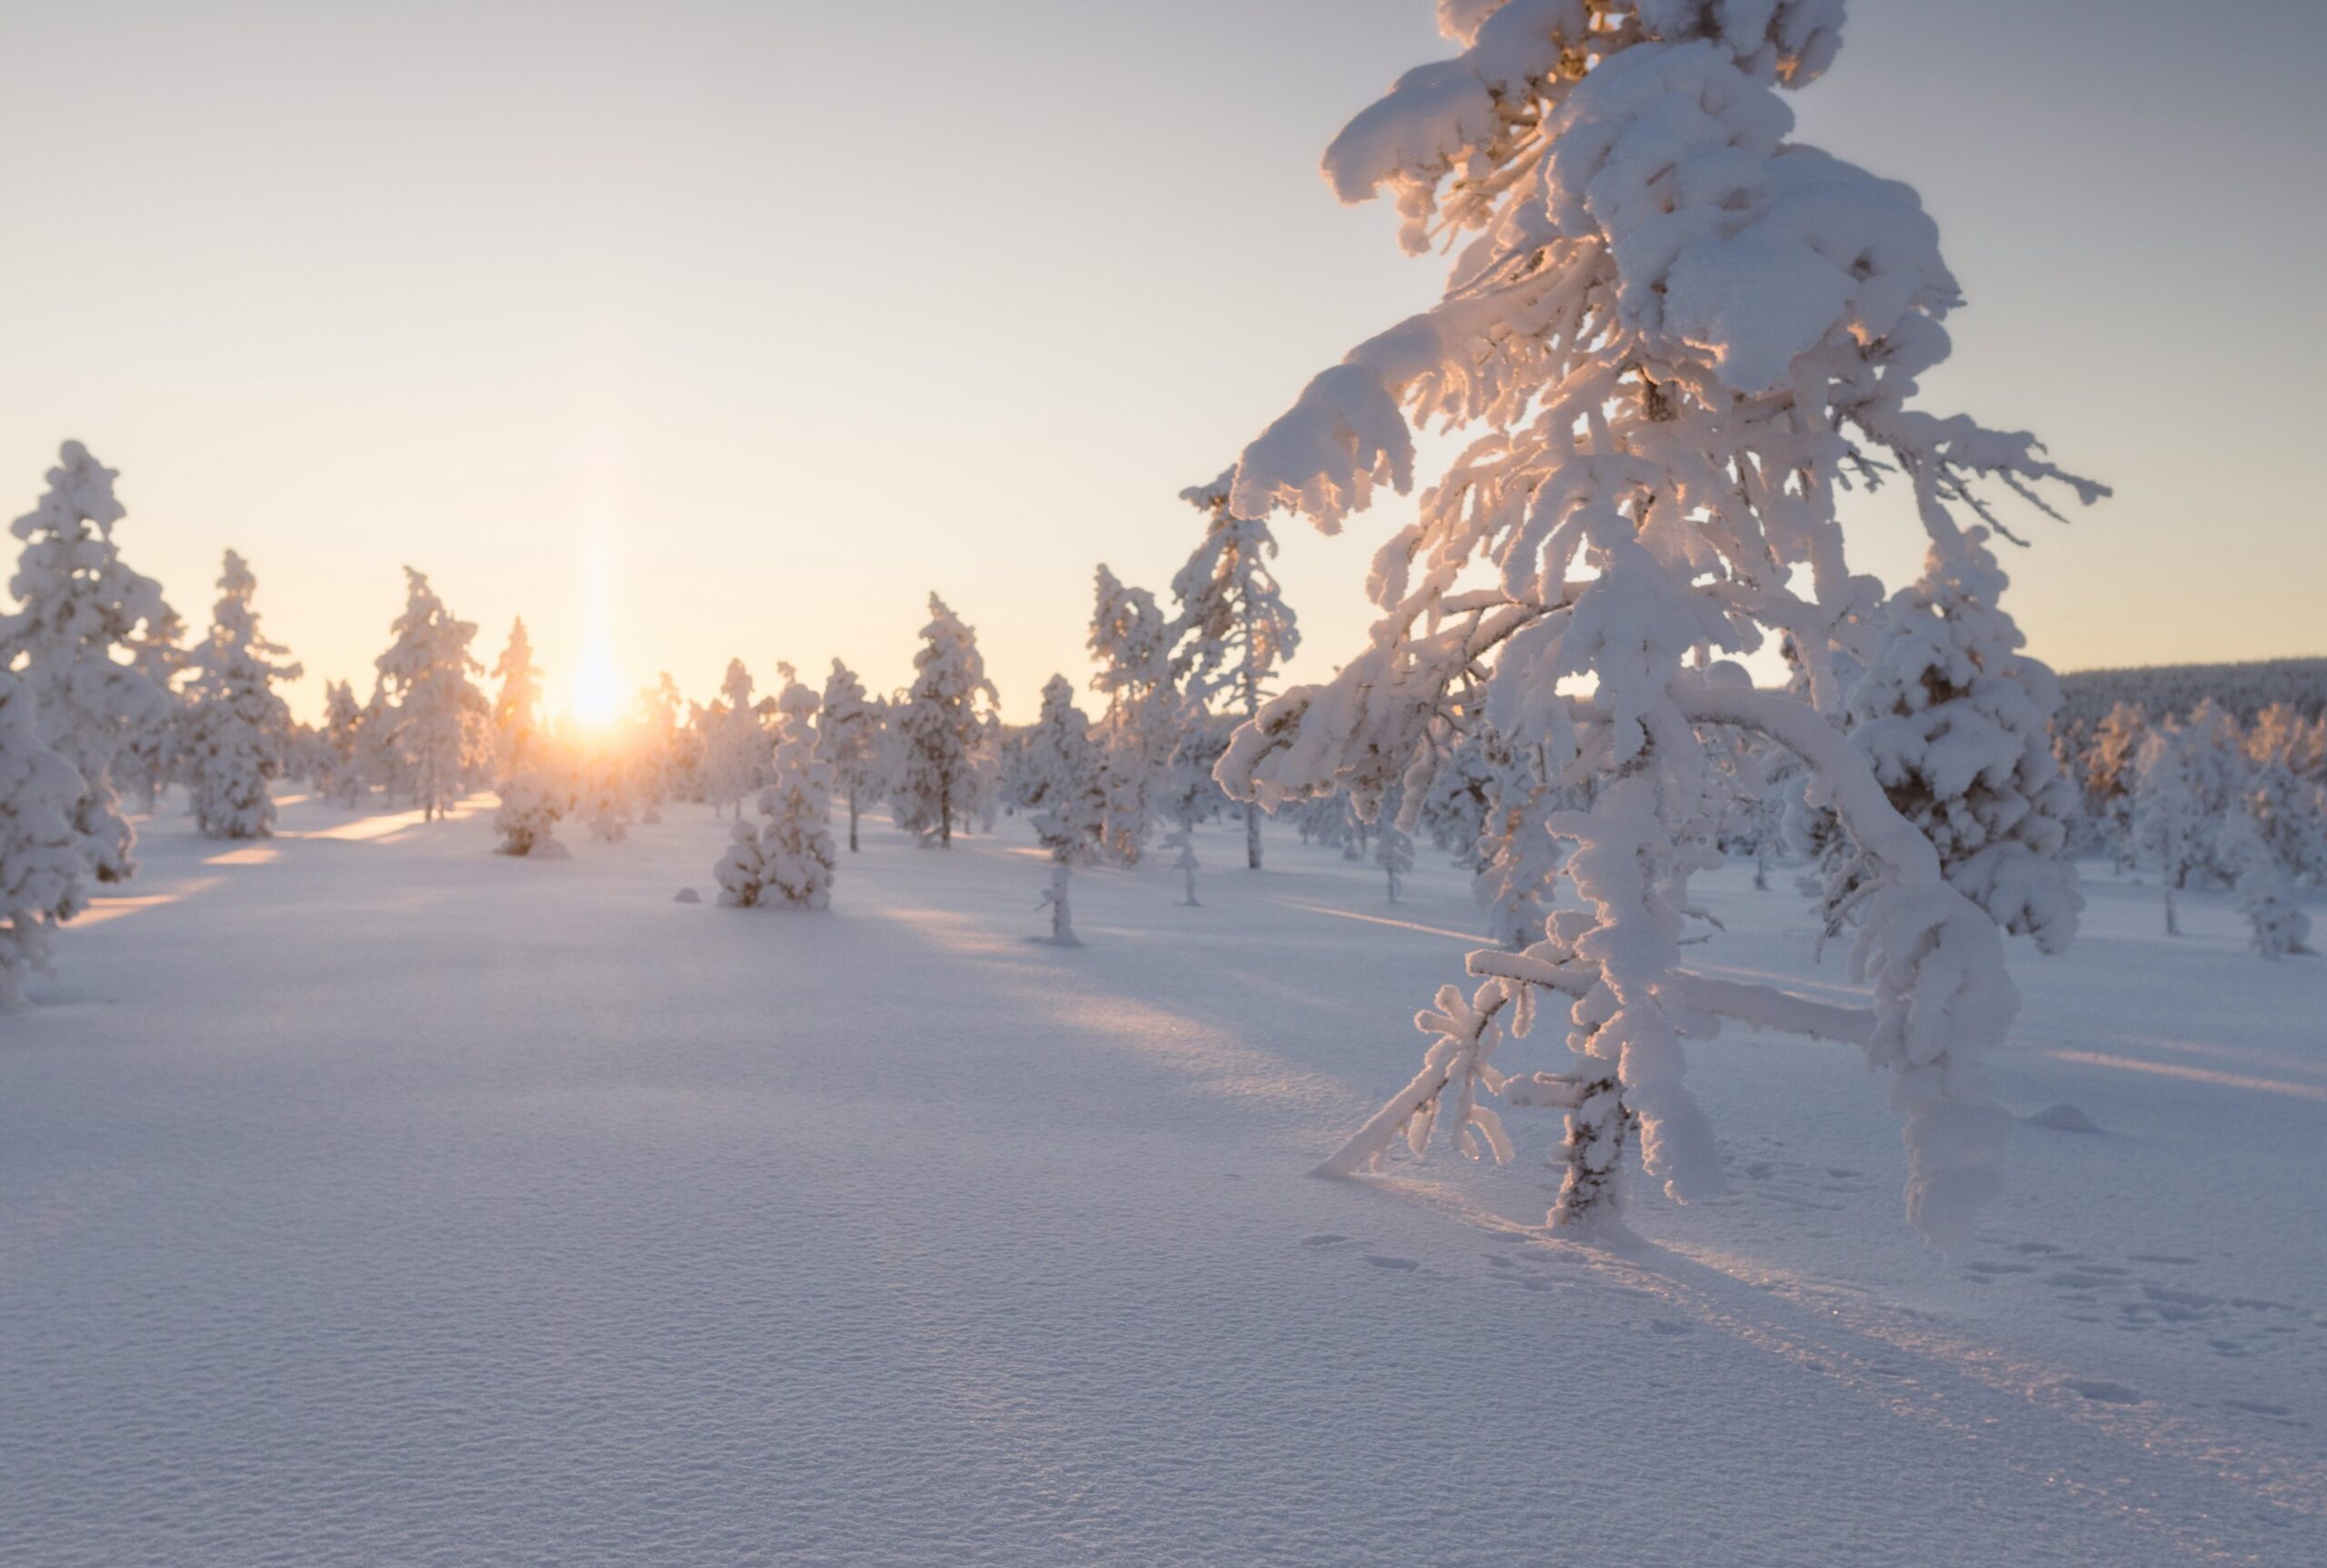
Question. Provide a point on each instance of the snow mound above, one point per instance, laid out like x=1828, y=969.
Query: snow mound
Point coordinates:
x=2062, y=1117
x=686, y=895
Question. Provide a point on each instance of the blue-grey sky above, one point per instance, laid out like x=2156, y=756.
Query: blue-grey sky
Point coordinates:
x=695, y=329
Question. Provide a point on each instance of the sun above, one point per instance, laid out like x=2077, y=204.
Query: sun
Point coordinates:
x=594, y=697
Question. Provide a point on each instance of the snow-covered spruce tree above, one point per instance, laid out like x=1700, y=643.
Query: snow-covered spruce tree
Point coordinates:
x=735, y=748
x=1056, y=782
x=796, y=854
x=2261, y=889
x=849, y=736
x=77, y=601
x=1675, y=332
x=741, y=870
x=236, y=725
x=442, y=721
x=1131, y=641
x=1957, y=722
x=1393, y=849
x=43, y=874
x=1185, y=793
x=658, y=768
x=341, y=775
x=2188, y=783
x=149, y=754
x=517, y=702
x=1235, y=628
x=2108, y=764
x=2284, y=791
x=941, y=723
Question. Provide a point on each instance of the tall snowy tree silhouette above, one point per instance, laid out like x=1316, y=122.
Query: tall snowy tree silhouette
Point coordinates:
x=1673, y=333
x=1131, y=642
x=849, y=736
x=440, y=717
x=939, y=721
x=44, y=878
x=77, y=601
x=517, y=700
x=1235, y=628
x=237, y=721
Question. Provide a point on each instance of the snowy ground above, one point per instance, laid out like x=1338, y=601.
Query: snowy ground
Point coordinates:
x=368, y=1198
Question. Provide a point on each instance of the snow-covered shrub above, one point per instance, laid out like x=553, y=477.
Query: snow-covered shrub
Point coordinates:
x=236, y=725
x=796, y=841
x=531, y=805
x=43, y=875
x=849, y=736
x=942, y=728
x=1675, y=332
x=77, y=603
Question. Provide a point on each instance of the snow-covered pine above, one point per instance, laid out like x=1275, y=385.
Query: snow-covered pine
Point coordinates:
x=1516, y=861
x=1957, y=722
x=43, y=876
x=236, y=724
x=77, y=601
x=1234, y=629
x=149, y=754
x=1131, y=641
x=735, y=747
x=1056, y=782
x=443, y=722
x=941, y=725
x=658, y=765
x=795, y=845
x=2108, y=759
x=2261, y=889
x=340, y=777
x=741, y=871
x=850, y=738
x=2286, y=789
x=1185, y=793
x=2189, y=780
x=517, y=702
x=379, y=761
x=1393, y=849
x=1675, y=333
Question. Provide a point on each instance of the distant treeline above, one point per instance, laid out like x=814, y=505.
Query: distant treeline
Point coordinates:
x=2172, y=691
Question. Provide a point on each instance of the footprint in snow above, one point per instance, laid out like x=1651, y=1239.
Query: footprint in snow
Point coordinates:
x=1323, y=1241
x=1667, y=1326
x=1402, y=1265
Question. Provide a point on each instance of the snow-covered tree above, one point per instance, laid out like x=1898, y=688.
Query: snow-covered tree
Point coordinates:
x=532, y=801
x=43, y=874
x=735, y=748
x=340, y=777
x=443, y=722
x=1957, y=722
x=2261, y=889
x=796, y=841
x=1393, y=851
x=149, y=754
x=236, y=724
x=517, y=702
x=850, y=739
x=604, y=789
x=1131, y=641
x=1235, y=628
x=2182, y=797
x=658, y=758
x=941, y=723
x=1675, y=332
x=742, y=871
x=1184, y=792
x=77, y=604
x=2108, y=759
x=1057, y=785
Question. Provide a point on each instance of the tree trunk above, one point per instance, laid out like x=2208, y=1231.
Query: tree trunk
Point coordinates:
x=851, y=819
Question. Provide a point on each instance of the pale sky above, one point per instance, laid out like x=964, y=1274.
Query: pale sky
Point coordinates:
x=688, y=330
